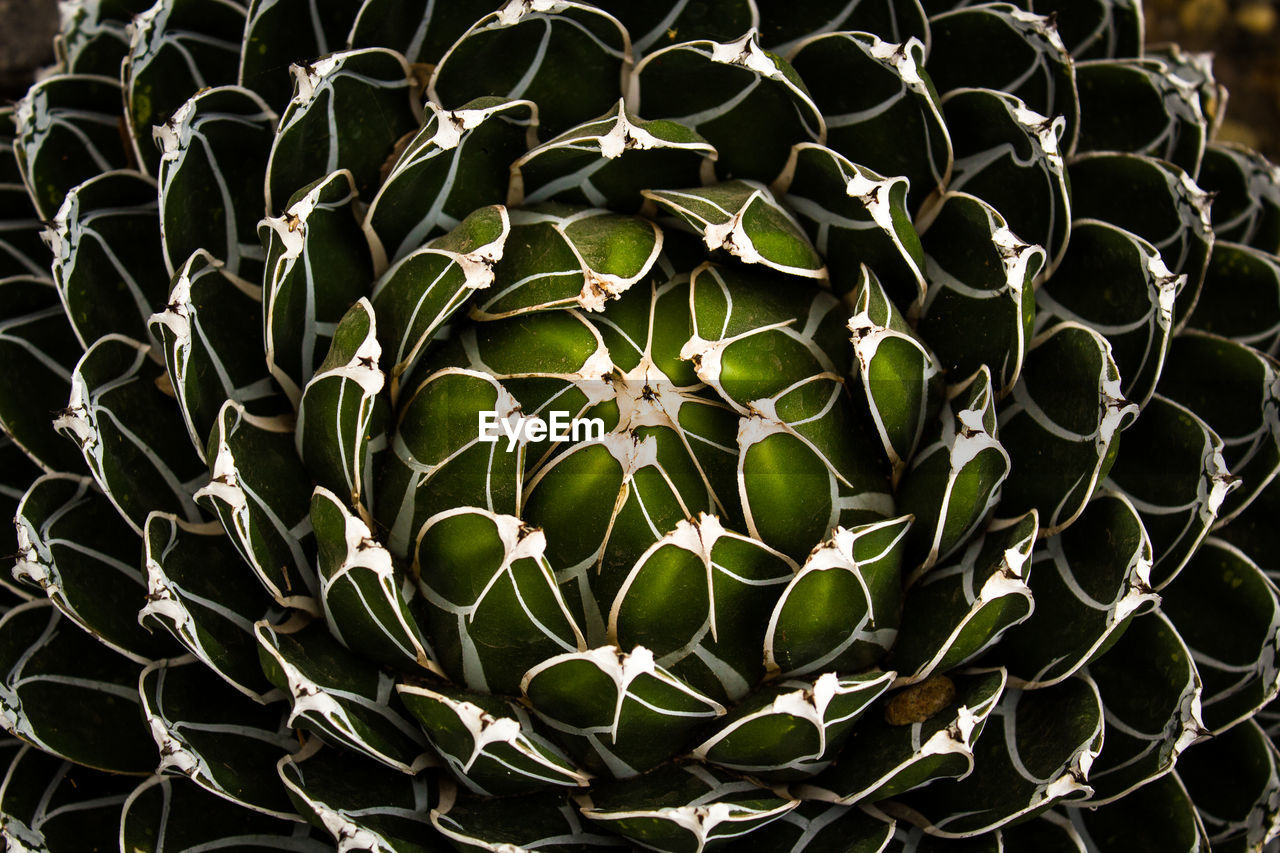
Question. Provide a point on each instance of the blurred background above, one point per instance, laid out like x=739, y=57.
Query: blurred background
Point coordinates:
x=1244, y=36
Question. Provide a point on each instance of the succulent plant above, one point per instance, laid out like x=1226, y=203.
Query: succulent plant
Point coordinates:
x=838, y=426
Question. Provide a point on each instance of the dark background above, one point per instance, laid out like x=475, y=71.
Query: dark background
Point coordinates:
x=1244, y=35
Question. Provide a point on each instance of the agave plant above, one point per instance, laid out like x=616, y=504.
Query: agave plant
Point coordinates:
x=680, y=425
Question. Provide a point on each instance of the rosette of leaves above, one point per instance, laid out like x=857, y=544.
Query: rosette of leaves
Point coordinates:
x=929, y=501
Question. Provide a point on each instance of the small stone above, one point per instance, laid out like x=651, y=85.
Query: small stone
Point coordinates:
x=919, y=702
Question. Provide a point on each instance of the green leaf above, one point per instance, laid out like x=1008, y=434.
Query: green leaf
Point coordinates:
x=1228, y=613
x=317, y=264
x=93, y=37
x=959, y=610
x=824, y=828
x=1246, y=187
x=51, y=804
x=75, y=548
x=278, y=33
x=1151, y=695
x=980, y=306
x=1086, y=584
x=564, y=55
x=216, y=737
x=785, y=26
x=840, y=612
x=617, y=713
x=854, y=217
x=196, y=592
x=1234, y=782
x=1156, y=818
x=210, y=353
x=129, y=433
x=490, y=743
x=608, y=161
x=212, y=166
x=62, y=690
x=725, y=91
x=421, y=30
x=883, y=760
x=1241, y=275
x=891, y=122
x=457, y=163
x=370, y=605
x=106, y=258
x=533, y=822
x=1060, y=424
x=700, y=599
x=495, y=609
x=348, y=111
x=660, y=22
x=336, y=694
x=792, y=729
x=361, y=802
x=261, y=493
x=683, y=808
x=1041, y=746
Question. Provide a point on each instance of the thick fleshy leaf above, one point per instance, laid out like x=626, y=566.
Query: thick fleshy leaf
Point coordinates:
x=364, y=805
x=1021, y=54
x=683, y=808
x=1060, y=425
x=494, y=606
x=840, y=612
x=422, y=30
x=958, y=611
x=348, y=111
x=854, y=217
x=1011, y=158
x=1156, y=818
x=744, y=219
x=1173, y=472
x=457, y=163
x=336, y=694
x=537, y=821
x=1228, y=614
x=1098, y=29
x=129, y=432
x=1117, y=284
x=700, y=599
x=1246, y=205
x=953, y=482
x=51, y=804
x=660, y=22
x=606, y=162
x=530, y=49
x=278, y=33
x=39, y=351
x=898, y=375
x=792, y=729
x=196, y=591
x=261, y=494
x=1236, y=390
x=74, y=547
x=68, y=694
x=784, y=26
x=891, y=122
x=562, y=257
x=1235, y=784
x=106, y=258
x=1086, y=584
x=164, y=813
x=1151, y=695
x=1142, y=106
x=94, y=36
x=489, y=742
x=64, y=137
x=22, y=252
x=213, y=154
x=216, y=737
x=980, y=305
x=317, y=265
x=1040, y=746
x=211, y=353
x=618, y=713
x=421, y=292
x=1155, y=200
x=724, y=91
x=369, y=603
x=933, y=739
x=342, y=417
x=1241, y=275
x=815, y=827
x=176, y=48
